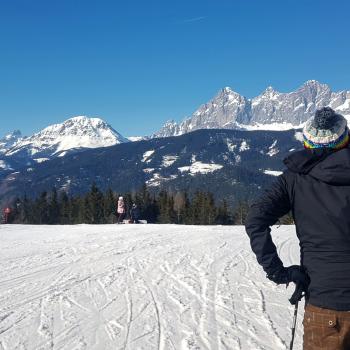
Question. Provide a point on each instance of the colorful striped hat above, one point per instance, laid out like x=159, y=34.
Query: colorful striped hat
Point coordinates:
x=326, y=129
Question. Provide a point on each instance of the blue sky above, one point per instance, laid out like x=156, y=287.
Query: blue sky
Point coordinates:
x=139, y=63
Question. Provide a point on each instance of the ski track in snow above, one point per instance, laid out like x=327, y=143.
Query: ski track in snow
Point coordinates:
x=134, y=287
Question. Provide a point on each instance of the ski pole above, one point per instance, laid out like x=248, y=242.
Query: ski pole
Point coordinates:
x=294, y=300
x=294, y=324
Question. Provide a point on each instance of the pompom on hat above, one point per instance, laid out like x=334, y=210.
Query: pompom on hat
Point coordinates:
x=326, y=129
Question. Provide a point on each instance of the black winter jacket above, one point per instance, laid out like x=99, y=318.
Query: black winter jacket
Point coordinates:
x=316, y=187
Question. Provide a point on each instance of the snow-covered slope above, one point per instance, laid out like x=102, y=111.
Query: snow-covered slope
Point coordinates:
x=271, y=110
x=141, y=287
x=75, y=133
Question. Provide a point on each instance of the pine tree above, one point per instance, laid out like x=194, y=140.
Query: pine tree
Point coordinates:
x=65, y=209
x=109, y=207
x=224, y=216
x=170, y=209
x=77, y=210
x=41, y=209
x=53, y=209
x=166, y=208
x=154, y=211
x=88, y=211
x=162, y=202
x=209, y=210
x=192, y=211
x=93, y=204
x=202, y=209
x=26, y=211
x=187, y=209
x=128, y=200
x=147, y=205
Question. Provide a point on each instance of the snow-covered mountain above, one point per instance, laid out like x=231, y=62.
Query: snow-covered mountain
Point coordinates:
x=58, y=139
x=9, y=141
x=271, y=110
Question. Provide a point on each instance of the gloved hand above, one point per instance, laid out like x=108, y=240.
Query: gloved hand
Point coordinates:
x=293, y=273
x=298, y=275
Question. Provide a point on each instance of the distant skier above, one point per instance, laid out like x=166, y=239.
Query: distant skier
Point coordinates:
x=135, y=214
x=121, y=210
x=316, y=188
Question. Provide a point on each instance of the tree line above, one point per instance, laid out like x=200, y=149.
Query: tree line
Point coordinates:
x=97, y=207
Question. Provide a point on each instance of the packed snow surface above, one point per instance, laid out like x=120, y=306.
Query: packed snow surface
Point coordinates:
x=141, y=287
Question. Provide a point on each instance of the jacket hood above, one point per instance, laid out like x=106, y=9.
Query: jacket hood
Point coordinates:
x=326, y=165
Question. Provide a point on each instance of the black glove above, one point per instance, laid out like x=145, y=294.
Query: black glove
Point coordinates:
x=298, y=294
x=293, y=273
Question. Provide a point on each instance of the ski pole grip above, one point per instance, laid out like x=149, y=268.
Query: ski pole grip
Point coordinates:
x=297, y=295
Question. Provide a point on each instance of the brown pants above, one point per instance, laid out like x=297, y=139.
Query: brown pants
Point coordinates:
x=326, y=329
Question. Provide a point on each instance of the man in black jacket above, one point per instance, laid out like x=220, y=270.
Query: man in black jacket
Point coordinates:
x=316, y=188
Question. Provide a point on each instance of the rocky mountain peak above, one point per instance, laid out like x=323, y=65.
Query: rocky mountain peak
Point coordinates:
x=9, y=140
x=315, y=87
x=314, y=83
x=269, y=93
x=227, y=90
x=14, y=134
x=271, y=110
x=227, y=94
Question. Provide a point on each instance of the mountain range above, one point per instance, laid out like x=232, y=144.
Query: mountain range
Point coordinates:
x=271, y=110
x=240, y=137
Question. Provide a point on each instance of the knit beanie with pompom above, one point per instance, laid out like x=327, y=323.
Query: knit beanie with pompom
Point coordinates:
x=326, y=129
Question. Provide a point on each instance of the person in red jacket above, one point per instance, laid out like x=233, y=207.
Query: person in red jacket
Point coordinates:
x=316, y=189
